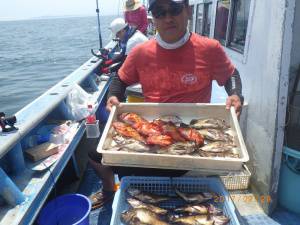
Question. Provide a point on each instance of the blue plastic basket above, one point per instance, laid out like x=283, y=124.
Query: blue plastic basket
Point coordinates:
x=165, y=185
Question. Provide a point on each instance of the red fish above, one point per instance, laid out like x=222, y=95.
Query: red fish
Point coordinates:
x=127, y=131
x=131, y=118
x=161, y=140
x=191, y=134
x=147, y=129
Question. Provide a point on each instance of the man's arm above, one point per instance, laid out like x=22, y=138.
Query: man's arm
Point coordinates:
x=116, y=92
x=233, y=87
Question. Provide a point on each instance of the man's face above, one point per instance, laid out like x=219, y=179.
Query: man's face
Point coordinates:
x=121, y=34
x=170, y=19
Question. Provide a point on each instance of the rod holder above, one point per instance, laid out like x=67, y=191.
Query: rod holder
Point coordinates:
x=9, y=191
x=16, y=159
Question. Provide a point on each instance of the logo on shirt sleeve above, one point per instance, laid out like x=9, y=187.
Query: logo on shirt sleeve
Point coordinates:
x=189, y=79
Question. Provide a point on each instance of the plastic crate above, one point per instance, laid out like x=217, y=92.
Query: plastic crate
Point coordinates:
x=237, y=180
x=165, y=185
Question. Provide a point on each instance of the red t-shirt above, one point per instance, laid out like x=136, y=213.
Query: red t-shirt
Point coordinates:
x=180, y=75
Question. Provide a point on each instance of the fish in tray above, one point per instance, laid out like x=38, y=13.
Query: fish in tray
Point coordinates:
x=211, y=123
x=161, y=140
x=170, y=129
x=140, y=216
x=195, y=197
x=218, y=146
x=127, y=131
x=191, y=134
x=170, y=118
x=215, y=135
x=136, y=204
x=121, y=143
x=131, y=118
x=146, y=197
x=178, y=148
x=198, y=209
x=147, y=128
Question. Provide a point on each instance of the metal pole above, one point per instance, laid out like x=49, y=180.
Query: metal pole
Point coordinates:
x=99, y=30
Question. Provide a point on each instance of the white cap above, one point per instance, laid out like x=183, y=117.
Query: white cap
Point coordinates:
x=117, y=25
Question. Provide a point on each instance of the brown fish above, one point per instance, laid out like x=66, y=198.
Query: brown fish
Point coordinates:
x=195, y=197
x=192, y=220
x=181, y=148
x=136, y=204
x=141, y=217
x=146, y=197
x=212, y=123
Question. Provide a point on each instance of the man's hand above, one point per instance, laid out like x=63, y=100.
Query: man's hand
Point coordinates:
x=113, y=100
x=234, y=101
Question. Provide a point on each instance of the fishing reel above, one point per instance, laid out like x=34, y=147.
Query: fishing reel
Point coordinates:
x=7, y=124
x=102, y=54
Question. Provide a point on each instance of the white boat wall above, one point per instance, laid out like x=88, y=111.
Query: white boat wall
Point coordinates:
x=268, y=61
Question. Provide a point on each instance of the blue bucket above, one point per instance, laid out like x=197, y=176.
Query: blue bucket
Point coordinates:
x=289, y=182
x=66, y=210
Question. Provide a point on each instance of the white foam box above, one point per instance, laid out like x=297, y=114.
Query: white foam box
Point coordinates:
x=186, y=111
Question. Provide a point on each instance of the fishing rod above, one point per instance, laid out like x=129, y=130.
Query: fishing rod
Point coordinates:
x=99, y=30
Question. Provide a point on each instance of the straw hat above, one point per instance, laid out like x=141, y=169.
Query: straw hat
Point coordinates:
x=132, y=5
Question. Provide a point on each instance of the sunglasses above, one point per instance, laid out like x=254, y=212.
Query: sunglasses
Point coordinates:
x=174, y=9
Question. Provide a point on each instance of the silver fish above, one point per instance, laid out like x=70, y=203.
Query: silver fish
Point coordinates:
x=199, y=209
x=217, y=146
x=192, y=209
x=170, y=118
x=192, y=220
x=220, y=219
x=136, y=204
x=128, y=144
x=178, y=148
x=215, y=135
x=195, y=197
x=146, y=197
x=141, y=217
x=213, y=123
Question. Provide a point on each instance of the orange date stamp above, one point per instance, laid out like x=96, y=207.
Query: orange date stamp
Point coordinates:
x=263, y=199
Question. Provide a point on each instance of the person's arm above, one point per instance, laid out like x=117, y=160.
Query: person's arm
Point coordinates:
x=233, y=87
x=116, y=92
x=144, y=20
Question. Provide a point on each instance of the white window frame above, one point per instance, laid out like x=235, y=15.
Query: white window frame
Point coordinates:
x=233, y=53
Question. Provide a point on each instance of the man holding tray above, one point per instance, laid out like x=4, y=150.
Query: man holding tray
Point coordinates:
x=177, y=66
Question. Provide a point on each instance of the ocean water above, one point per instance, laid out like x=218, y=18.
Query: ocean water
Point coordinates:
x=36, y=54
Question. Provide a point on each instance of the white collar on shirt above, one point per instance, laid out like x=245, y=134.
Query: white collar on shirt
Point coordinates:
x=174, y=45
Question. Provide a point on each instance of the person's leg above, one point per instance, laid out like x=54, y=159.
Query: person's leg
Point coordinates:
x=106, y=174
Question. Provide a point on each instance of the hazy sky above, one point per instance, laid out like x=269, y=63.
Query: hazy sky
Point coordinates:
x=24, y=9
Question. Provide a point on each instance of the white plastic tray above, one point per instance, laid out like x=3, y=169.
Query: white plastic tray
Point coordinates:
x=186, y=111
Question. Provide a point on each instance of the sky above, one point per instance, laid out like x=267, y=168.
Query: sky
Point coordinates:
x=26, y=9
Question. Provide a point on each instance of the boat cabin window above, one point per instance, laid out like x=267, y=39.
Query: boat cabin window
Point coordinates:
x=240, y=22
x=203, y=18
x=231, y=23
x=191, y=21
